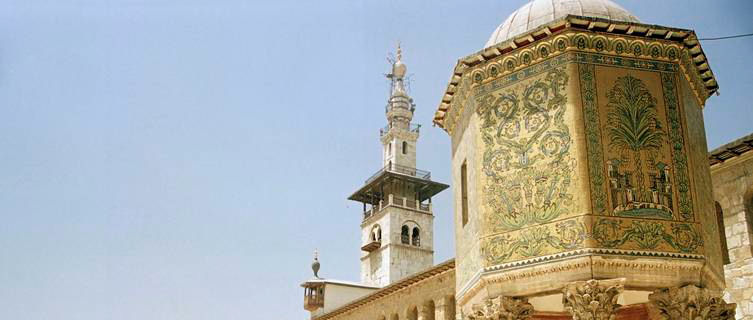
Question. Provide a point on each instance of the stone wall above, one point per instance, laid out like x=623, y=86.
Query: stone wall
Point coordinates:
x=427, y=295
x=733, y=185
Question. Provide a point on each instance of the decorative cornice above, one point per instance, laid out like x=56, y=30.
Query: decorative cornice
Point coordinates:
x=573, y=260
x=438, y=270
x=542, y=43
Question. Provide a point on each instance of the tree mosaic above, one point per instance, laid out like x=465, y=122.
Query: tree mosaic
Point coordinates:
x=526, y=156
x=639, y=182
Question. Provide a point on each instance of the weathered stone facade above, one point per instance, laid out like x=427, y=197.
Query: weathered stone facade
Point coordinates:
x=427, y=295
x=732, y=176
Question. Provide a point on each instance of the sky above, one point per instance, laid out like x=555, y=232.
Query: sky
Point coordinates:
x=182, y=159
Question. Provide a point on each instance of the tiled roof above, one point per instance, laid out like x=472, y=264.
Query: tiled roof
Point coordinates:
x=388, y=290
x=731, y=150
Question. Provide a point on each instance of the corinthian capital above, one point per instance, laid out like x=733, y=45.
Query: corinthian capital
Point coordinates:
x=502, y=308
x=691, y=302
x=592, y=299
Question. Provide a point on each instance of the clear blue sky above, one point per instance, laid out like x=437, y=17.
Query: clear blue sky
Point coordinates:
x=181, y=159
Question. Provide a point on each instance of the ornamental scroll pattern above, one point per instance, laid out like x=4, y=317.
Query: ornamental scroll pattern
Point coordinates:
x=526, y=160
x=534, y=242
x=647, y=235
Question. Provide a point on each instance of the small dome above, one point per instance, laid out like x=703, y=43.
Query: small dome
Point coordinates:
x=540, y=12
x=399, y=69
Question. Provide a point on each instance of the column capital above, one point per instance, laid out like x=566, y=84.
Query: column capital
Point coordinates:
x=502, y=308
x=592, y=299
x=691, y=302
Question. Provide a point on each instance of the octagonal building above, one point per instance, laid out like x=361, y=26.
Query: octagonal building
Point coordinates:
x=580, y=169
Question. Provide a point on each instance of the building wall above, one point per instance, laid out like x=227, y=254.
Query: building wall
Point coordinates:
x=429, y=299
x=395, y=260
x=733, y=190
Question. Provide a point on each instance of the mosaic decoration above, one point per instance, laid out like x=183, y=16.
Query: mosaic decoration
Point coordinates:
x=639, y=185
x=534, y=242
x=646, y=235
x=526, y=155
x=679, y=158
x=593, y=138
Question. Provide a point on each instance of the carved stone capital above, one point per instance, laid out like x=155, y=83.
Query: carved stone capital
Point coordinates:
x=691, y=302
x=502, y=308
x=592, y=299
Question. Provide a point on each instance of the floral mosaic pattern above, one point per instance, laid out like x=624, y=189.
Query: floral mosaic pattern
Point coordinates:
x=535, y=242
x=646, y=235
x=526, y=156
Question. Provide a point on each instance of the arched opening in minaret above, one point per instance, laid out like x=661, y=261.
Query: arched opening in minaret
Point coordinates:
x=376, y=234
x=416, y=238
x=405, y=147
x=405, y=235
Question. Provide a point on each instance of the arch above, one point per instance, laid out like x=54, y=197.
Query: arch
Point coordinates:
x=412, y=313
x=722, y=234
x=376, y=233
x=416, y=237
x=429, y=310
x=405, y=235
x=405, y=147
x=450, y=309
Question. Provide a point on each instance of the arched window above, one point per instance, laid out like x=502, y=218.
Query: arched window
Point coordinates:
x=722, y=234
x=405, y=235
x=376, y=234
x=416, y=239
x=405, y=147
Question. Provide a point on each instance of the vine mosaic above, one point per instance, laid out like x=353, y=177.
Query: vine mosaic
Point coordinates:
x=593, y=137
x=679, y=158
x=526, y=158
x=534, y=242
x=646, y=235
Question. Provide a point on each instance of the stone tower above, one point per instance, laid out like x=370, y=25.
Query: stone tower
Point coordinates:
x=397, y=227
x=580, y=165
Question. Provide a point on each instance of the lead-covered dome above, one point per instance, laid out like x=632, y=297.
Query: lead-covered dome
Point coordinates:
x=540, y=12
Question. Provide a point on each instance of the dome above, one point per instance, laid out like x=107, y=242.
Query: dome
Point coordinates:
x=540, y=12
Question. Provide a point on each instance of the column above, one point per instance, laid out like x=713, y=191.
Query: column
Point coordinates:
x=501, y=308
x=691, y=302
x=440, y=309
x=593, y=299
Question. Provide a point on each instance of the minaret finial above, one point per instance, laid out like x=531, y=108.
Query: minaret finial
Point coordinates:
x=399, y=52
x=315, y=265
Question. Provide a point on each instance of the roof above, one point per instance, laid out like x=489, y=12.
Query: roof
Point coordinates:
x=441, y=268
x=424, y=186
x=540, y=12
x=731, y=150
x=338, y=282
x=698, y=68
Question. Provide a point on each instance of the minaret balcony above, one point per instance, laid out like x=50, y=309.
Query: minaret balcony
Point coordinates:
x=372, y=246
x=399, y=202
x=413, y=128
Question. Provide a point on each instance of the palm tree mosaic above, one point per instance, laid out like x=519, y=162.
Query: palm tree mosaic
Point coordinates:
x=635, y=133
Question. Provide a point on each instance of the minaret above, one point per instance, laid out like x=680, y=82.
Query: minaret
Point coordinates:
x=397, y=227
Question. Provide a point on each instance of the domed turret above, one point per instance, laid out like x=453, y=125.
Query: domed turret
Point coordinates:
x=540, y=12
